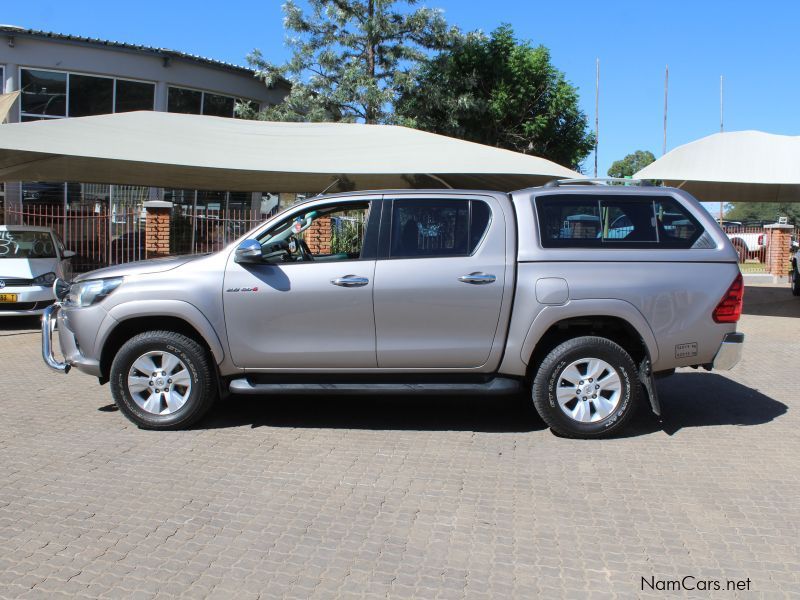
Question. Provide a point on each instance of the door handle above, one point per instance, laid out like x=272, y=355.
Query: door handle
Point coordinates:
x=350, y=281
x=478, y=278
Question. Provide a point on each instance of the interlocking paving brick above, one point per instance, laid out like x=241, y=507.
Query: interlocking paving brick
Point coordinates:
x=402, y=497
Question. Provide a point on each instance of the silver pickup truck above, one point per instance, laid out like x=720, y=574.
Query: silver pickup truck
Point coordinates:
x=579, y=295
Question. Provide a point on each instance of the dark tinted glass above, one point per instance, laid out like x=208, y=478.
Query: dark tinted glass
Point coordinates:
x=90, y=95
x=586, y=222
x=676, y=227
x=437, y=227
x=481, y=216
x=568, y=222
x=38, y=192
x=218, y=106
x=181, y=100
x=44, y=93
x=134, y=95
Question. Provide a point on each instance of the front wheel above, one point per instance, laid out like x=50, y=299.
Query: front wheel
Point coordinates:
x=162, y=380
x=586, y=387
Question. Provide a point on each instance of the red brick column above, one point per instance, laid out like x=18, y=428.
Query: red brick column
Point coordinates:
x=779, y=245
x=318, y=236
x=157, y=228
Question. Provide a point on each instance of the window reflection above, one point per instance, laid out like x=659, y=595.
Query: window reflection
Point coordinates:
x=43, y=93
x=134, y=95
x=90, y=95
x=218, y=106
x=181, y=100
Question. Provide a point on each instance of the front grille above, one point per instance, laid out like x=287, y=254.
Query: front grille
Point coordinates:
x=16, y=282
x=25, y=305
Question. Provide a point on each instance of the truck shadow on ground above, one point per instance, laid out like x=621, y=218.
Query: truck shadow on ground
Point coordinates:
x=705, y=400
x=688, y=400
x=498, y=414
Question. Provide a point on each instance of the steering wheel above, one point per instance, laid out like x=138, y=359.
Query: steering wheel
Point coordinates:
x=305, y=252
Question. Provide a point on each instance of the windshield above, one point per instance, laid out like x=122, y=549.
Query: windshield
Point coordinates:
x=26, y=244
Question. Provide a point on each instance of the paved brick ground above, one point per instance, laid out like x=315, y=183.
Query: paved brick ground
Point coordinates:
x=412, y=497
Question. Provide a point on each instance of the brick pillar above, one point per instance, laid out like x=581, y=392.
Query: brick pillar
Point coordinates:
x=157, y=228
x=779, y=245
x=318, y=236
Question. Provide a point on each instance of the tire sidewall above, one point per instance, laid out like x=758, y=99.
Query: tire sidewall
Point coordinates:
x=620, y=361
x=123, y=362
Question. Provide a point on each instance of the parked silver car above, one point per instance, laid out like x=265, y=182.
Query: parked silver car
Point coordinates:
x=430, y=291
x=31, y=258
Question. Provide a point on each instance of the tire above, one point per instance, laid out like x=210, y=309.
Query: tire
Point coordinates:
x=795, y=280
x=589, y=361
x=741, y=250
x=185, y=392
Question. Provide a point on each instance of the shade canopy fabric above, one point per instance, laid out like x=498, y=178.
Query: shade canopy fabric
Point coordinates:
x=736, y=166
x=215, y=153
x=6, y=103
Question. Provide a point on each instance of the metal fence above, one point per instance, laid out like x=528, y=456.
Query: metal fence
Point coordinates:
x=751, y=245
x=98, y=237
x=199, y=230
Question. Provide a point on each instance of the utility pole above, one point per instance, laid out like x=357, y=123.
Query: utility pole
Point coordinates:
x=721, y=130
x=596, y=113
x=666, y=89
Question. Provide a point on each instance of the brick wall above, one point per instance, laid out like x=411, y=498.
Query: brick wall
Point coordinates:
x=157, y=228
x=318, y=236
x=779, y=244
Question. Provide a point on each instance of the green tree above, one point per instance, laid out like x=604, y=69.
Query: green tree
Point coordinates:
x=350, y=57
x=762, y=211
x=632, y=163
x=499, y=91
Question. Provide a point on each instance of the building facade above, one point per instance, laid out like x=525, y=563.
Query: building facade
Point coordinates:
x=61, y=76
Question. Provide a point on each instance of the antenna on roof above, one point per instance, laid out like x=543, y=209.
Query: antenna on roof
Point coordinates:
x=333, y=183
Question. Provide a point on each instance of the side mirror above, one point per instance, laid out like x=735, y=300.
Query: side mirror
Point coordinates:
x=68, y=254
x=248, y=252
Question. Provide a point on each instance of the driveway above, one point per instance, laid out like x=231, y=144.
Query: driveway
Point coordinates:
x=405, y=497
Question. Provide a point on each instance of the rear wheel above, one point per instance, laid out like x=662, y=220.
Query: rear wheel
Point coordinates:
x=586, y=387
x=162, y=380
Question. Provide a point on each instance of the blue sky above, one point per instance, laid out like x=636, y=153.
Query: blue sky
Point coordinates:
x=755, y=46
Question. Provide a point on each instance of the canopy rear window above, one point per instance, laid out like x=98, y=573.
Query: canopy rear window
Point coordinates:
x=592, y=221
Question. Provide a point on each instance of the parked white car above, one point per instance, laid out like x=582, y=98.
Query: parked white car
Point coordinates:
x=30, y=260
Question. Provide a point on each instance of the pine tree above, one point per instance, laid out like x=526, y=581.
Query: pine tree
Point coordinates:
x=350, y=58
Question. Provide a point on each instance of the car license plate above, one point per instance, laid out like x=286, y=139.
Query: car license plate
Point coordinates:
x=8, y=297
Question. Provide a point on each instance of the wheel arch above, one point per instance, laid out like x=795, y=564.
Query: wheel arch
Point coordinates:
x=125, y=321
x=617, y=320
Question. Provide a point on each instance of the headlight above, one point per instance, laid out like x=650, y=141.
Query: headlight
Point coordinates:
x=46, y=279
x=91, y=292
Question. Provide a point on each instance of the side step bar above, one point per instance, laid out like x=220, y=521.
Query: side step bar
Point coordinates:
x=493, y=387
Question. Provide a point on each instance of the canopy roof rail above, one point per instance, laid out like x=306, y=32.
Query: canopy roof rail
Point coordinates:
x=598, y=181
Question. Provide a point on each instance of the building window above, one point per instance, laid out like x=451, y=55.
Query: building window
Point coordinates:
x=196, y=102
x=44, y=94
x=185, y=101
x=218, y=106
x=90, y=95
x=50, y=94
x=134, y=95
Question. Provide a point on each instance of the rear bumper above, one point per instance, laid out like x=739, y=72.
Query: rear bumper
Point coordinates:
x=730, y=352
x=69, y=346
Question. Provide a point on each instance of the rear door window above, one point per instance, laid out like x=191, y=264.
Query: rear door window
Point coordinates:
x=430, y=228
x=573, y=221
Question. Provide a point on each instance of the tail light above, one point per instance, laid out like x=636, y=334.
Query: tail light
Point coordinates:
x=729, y=308
x=761, y=239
